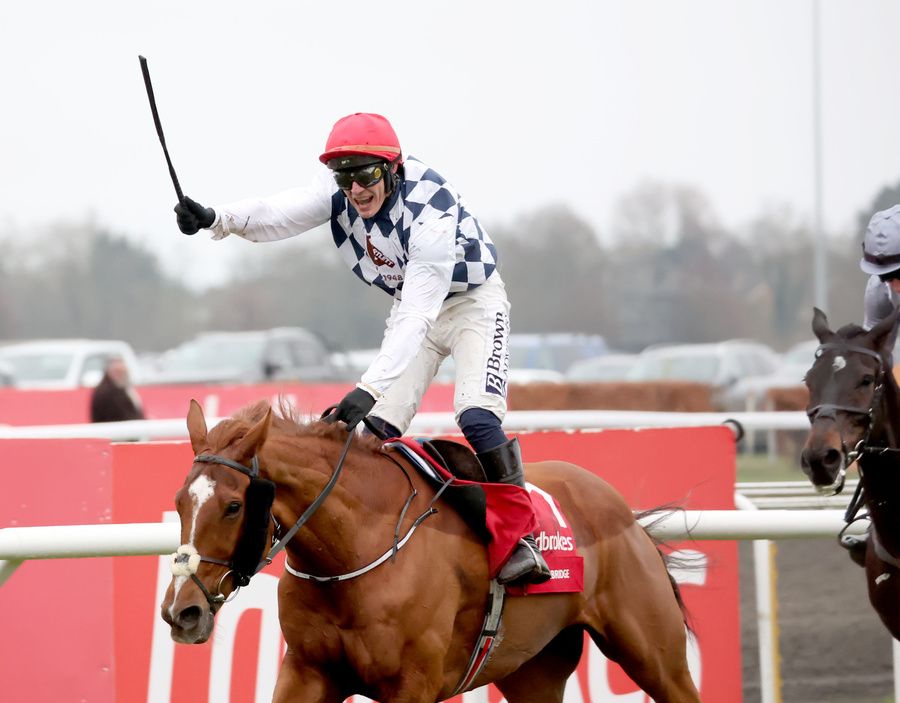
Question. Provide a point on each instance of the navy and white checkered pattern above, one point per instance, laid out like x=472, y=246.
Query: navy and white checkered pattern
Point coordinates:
x=377, y=250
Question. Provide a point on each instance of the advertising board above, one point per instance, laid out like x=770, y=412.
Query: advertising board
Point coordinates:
x=90, y=630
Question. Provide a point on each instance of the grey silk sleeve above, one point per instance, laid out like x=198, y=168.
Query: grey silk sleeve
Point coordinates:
x=877, y=304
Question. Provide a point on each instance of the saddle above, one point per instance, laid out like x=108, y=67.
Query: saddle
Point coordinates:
x=498, y=513
x=461, y=462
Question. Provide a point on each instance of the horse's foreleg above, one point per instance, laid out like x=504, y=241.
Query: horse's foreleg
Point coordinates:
x=883, y=582
x=300, y=683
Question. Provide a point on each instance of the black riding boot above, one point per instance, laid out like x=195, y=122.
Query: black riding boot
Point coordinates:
x=503, y=464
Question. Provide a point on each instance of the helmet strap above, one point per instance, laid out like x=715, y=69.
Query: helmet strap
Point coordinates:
x=391, y=177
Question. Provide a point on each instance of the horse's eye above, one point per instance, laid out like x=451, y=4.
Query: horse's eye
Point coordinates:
x=867, y=381
x=233, y=508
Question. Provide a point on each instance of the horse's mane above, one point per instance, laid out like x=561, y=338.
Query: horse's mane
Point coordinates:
x=285, y=423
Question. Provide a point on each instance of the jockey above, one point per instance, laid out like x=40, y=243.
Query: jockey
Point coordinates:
x=881, y=259
x=401, y=227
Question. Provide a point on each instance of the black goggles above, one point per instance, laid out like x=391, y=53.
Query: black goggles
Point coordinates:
x=366, y=176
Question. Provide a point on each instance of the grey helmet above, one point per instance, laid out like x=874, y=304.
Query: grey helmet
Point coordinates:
x=881, y=246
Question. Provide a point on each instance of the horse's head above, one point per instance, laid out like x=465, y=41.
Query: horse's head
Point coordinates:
x=845, y=386
x=224, y=507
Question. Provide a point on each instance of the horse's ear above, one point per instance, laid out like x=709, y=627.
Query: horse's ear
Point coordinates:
x=196, y=425
x=884, y=333
x=250, y=443
x=820, y=325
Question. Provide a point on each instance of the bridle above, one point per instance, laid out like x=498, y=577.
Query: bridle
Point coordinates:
x=830, y=410
x=243, y=564
x=186, y=560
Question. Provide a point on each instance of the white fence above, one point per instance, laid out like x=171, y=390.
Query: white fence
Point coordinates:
x=135, y=539
x=18, y=544
x=434, y=423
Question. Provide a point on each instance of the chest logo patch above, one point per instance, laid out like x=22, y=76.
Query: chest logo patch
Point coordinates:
x=377, y=257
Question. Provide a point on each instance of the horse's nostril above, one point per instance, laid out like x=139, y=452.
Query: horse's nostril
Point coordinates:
x=832, y=458
x=189, y=617
x=821, y=465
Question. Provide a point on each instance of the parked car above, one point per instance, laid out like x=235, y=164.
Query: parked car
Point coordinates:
x=789, y=373
x=721, y=365
x=608, y=367
x=358, y=361
x=554, y=351
x=279, y=354
x=57, y=364
x=797, y=360
x=6, y=374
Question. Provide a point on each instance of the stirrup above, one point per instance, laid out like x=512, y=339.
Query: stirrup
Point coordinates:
x=856, y=546
x=525, y=566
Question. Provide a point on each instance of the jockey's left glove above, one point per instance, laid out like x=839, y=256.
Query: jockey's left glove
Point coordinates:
x=354, y=407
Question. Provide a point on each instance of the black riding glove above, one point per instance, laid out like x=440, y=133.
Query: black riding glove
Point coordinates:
x=192, y=216
x=354, y=407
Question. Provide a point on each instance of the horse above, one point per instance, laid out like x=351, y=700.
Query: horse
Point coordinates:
x=402, y=628
x=854, y=413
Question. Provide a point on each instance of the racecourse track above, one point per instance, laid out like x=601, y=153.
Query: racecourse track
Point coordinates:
x=833, y=646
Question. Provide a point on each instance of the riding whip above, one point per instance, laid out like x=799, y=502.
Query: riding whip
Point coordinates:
x=159, y=130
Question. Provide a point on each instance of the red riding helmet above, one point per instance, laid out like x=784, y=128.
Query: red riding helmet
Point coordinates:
x=361, y=134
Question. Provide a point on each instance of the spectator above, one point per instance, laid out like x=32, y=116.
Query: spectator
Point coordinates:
x=114, y=399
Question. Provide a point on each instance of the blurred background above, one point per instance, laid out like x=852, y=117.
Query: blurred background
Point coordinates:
x=672, y=187
x=653, y=174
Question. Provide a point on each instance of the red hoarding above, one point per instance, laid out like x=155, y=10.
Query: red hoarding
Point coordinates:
x=65, y=643
x=650, y=467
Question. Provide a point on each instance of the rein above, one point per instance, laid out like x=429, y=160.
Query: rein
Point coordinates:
x=398, y=542
x=186, y=560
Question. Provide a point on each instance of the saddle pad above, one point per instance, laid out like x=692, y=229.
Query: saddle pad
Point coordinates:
x=508, y=512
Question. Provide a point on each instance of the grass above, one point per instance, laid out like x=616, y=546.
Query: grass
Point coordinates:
x=761, y=467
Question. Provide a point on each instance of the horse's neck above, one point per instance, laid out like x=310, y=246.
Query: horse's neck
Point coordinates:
x=881, y=472
x=886, y=429
x=344, y=525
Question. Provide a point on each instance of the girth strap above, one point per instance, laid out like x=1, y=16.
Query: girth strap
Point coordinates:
x=487, y=639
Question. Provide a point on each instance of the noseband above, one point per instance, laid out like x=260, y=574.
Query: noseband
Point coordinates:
x=830, y=410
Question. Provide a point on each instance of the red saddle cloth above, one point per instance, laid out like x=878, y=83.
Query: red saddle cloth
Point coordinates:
x=556, y=541
x=510, y=513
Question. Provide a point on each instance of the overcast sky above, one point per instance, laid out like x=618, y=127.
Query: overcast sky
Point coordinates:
x=519, y=104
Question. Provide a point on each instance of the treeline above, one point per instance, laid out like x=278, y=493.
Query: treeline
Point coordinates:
x=667, y=271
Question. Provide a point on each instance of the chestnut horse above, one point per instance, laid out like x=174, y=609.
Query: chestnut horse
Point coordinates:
x=854, y=412
x=404, y=630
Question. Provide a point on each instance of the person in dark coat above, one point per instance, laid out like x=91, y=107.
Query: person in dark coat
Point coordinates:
x=114, y=399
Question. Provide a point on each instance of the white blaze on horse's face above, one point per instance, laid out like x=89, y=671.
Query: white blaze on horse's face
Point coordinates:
x=838, y=363
x=200, y=491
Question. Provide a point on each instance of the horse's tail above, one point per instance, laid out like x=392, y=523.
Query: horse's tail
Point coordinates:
x=669, y=559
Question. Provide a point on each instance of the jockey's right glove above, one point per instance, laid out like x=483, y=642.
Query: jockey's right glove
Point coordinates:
x=354, y=407
x=192, y=216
